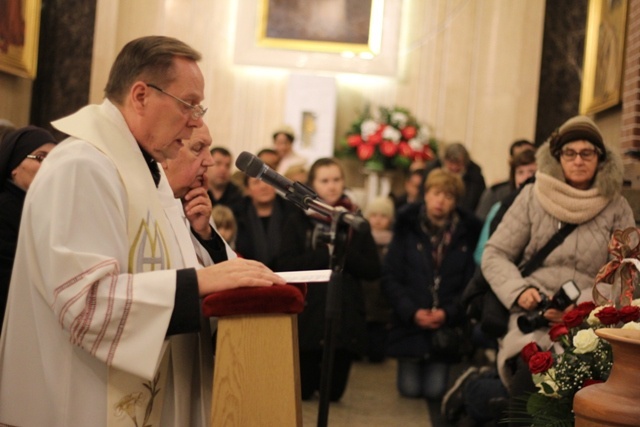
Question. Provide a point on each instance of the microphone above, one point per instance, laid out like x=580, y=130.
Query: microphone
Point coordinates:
x=301, y=195
x=254, y=167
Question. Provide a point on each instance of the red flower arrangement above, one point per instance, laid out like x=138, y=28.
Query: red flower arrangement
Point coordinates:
x=391, y=140
x=585, y=359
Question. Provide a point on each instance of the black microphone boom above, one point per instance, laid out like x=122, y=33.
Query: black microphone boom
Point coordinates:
x=301, y=195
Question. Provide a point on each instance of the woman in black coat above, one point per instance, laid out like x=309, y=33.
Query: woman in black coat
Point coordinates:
x=299, y=251
x=260, y=218
x=428, y=264
x=21, y=153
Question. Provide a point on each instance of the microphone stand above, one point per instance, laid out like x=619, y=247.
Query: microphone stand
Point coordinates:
x=341, y=222
x=333, y=310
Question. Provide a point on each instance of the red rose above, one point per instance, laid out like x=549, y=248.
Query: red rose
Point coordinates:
x=557, y=331
x=427, y=153
x=573, y=318
x=629, y=313
x=528, y=351
x=409, y=132
x=586, y=307
x=540, y=362
x=375, y=138
x=591, y=382
x=388, y=148
x=608, y=316
x=354, y=140
x=405, y=149
x=365, y=151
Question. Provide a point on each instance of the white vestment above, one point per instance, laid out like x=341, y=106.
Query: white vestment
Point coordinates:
x=75, y=313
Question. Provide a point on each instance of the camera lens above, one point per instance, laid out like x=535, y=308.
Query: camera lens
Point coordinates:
x=528, y=323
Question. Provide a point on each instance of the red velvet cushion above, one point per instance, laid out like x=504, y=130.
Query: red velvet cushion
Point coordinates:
x=287, y=298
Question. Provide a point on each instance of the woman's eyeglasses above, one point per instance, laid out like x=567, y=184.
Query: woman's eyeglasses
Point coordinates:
x=586, y=154
x=37, y=157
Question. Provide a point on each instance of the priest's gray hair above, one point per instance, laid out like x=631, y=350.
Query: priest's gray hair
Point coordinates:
x=149, y=59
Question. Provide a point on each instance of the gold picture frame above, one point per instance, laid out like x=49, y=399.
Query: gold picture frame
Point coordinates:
x=19, y=37
x=378, y=56
x=603, y=56
x=285, y=24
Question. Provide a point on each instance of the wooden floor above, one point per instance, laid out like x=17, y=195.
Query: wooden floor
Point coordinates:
x=371, y=400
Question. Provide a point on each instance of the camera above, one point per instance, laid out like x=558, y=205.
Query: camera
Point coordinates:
x=566, y=295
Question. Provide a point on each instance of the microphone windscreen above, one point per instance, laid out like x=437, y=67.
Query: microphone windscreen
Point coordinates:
x=249, y=164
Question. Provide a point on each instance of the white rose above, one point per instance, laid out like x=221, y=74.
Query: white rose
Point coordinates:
x=391, y=134
x=415, y=144
x=592, y=320
x=636, y=302
x=399, y=118
x=368, y=128
x=635, y=326
x=585, y=341
x=424, y=133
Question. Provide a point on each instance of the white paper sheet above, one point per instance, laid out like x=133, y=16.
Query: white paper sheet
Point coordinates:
x=305, y=276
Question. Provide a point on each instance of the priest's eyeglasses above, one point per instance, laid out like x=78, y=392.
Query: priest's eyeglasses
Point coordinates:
x=197, y=111
x=587, y=154
x=37, y=157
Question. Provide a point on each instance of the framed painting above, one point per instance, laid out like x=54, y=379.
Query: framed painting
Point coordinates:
x=321, y=26
x=19, y=36
x=603, y=56
x=348, y=36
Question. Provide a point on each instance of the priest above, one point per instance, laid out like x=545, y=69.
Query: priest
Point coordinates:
x=103, y=325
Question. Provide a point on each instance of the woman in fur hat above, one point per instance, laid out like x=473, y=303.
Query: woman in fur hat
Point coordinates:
x=21, y=153
x=579, y=181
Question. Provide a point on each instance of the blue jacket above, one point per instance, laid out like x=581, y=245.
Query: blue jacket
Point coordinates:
x=409, y=274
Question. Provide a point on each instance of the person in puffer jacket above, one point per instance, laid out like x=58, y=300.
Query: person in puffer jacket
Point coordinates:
x=579, y=181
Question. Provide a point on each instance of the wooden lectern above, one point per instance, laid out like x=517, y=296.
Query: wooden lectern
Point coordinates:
x=256, y=379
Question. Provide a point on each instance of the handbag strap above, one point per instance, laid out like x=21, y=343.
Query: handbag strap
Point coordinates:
x=536, y=260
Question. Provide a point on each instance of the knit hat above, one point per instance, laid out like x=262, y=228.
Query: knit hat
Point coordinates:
x=287, y=130
x=380, y=205
x=17, y=145
x=575, y=129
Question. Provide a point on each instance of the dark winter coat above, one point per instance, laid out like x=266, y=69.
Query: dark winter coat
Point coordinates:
x=409, y=274
x=253, y=240
x=11, y=200
x=231, y=197
x=362, y=262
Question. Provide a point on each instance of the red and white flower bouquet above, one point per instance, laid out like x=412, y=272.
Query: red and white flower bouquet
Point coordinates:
x=583, y=359
x=392, y=139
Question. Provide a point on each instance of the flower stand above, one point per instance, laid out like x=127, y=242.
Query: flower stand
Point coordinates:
x=377, y=184
x=615, y=402
x=256, y=379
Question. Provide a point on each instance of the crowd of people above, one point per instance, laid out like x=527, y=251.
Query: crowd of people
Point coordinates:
x=136, y=216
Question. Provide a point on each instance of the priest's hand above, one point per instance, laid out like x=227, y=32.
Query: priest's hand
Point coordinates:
x=197, y=208
x=236, y=273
